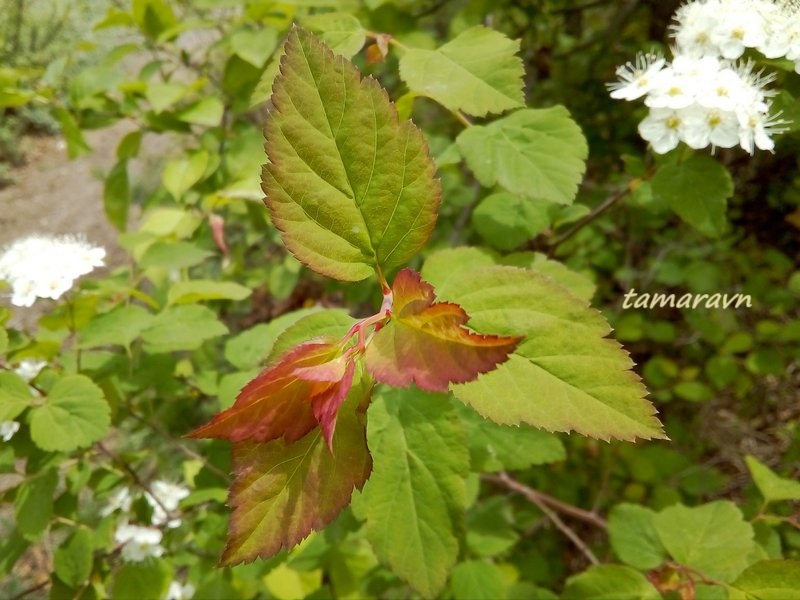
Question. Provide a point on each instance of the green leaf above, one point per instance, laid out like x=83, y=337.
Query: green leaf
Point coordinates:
x=34, y=503
x=634, y=537
x=713, y=538
x=477, y=72
x=505, y=220
x=494, y=447
x=349, y=185
x=153, y=16
x=283, y=492
x=163, y=95
x=332, y=322
x=773, y=487
x=117, y=195
x=477, y=580
x=173, y=255
x=12, y=547
x=15, y=396
x=207, y=111
x=341, y=32
x=565, y=375
x=146, y=579
x=414, y=502
x=76, y=143
x=697, y=190
x=118, y=327
x=200, y=290
x=182, y=173
x=75, y=415
x=489, y=527
x=254, y=47
x=182, y=328
x=768, y=580
x=129, y=146
x=534, y=153
x=609, y=582
x=250, y=348
x=73, y=559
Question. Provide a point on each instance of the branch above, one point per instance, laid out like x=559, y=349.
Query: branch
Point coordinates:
x=544, y=502
x=596, y=212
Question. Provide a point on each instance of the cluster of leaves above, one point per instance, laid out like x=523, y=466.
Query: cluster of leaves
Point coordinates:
x=413, y=415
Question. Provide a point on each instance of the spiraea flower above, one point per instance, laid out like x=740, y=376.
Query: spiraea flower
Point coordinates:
x=28, y=368
x=177, y=591
x=165, y=496
x=138, y=542
x=638, y=78
x=47, y=267
x=121, y=500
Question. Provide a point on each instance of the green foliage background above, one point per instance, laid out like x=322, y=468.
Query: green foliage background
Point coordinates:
x=159, y=344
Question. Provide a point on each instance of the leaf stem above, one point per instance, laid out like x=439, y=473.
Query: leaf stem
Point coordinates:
x=596, y=212
x=462, y=118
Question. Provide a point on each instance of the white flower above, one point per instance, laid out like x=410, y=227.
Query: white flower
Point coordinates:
x=725, y=90
x=121, y=500
x=662, y=128
x=47, y=267
x=180, y=592
x=782, y=24
x=704, y=126
x=28, y=369
x=165, y=496
x=755, y=129
x=672, y=90
x=695, y=23
x=8, y=429
x=636, y=79
x=741, y=25
x=138, y=542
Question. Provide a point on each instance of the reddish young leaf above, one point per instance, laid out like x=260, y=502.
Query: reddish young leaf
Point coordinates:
x=304, y=388
x=425, y=342
x=283, y=491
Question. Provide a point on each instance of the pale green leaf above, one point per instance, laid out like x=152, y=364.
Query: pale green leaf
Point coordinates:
x=163, y=95
x=505, y=220
x=182, y=328
x=713, y=538
x=634, y=537
x=349, y=185
x=494, y=447
x=33, y=503
x=201, y=290
x=414, y=502
x=250, y=348
x=173, y=255
x=119, y=327
x=565, y=375
x=332, y=322
x=138, y=580
x=478, y=72
x=477, y=580
x=340, y=31
x=74, y=415
x=207, y=111
x=254, y=47
x=73, y=559
x=773, y=487
x=180, y=174
x=609, y=582
x=534, y=153
x=768, y=580
x=489, y=526
x=15, y=396
x=697, y=190
x=117, y=195
x=578, y=284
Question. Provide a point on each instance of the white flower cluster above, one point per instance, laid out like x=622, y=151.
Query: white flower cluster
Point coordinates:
x=8, y=429
x=702, y=98
x=47, y=267
x=139, y=542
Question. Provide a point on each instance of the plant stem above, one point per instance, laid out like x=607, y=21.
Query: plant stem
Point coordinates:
x=596, y=212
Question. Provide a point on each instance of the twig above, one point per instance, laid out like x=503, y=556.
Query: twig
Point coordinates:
x=537, y=498
x=596, y=212
x=31, y=590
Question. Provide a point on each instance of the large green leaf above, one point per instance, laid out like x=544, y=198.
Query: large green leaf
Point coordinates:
x=414, y=502
x=182, y=328
x=33, y=504
x=15, y=396
x=283, y=492
x=477, y=72
x=477, y=580
x=201, y=290
x=565, y=375
x=773, y=487
x=342, y=32
x=697, y=190
x=146, y=579
x=74, y=415
x=73, y=559
x=118, y=327
x=768, y=580
x=713, y=538
x=609, y=582
x=505, y=220
x=534, y=153
x=634, y=537
x=350, y=186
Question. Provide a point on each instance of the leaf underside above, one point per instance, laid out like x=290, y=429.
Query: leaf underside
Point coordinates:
x=349, y=185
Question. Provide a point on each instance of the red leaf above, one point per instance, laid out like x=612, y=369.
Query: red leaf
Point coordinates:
x=425, y=342
x=282, y=491
x=304, y=388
